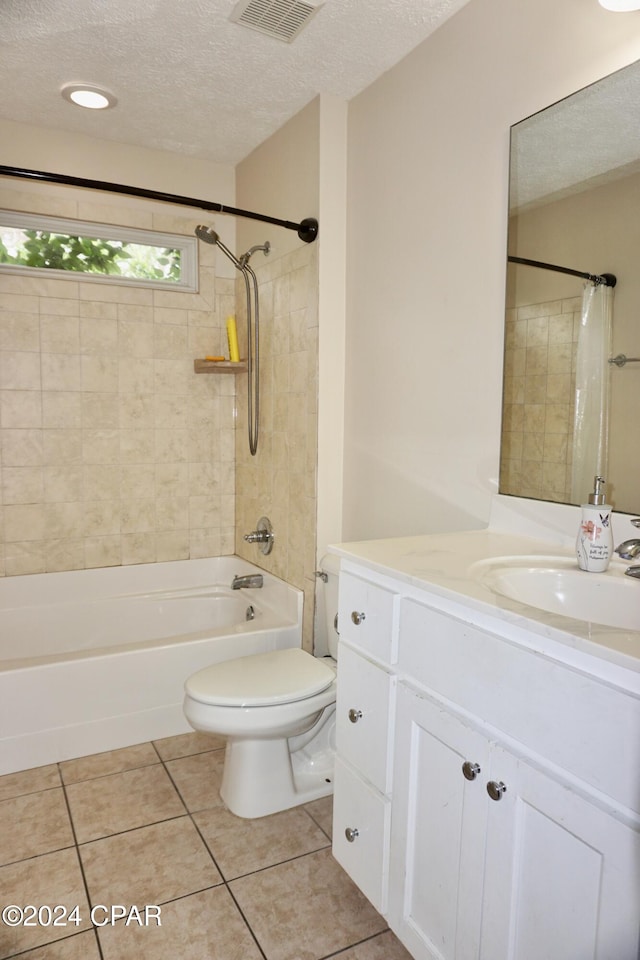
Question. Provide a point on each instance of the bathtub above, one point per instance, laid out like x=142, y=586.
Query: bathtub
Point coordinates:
x=94, y=660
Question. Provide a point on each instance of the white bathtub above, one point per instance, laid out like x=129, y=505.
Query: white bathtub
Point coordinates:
x=94, y=660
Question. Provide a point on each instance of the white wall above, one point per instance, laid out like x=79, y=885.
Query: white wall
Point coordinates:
x=427, y=221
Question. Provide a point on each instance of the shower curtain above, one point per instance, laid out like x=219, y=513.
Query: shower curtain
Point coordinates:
x=591, y=418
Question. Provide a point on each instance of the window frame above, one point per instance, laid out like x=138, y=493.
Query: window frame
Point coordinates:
x=187, y=245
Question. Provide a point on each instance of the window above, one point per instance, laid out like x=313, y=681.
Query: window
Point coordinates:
x=105, y=253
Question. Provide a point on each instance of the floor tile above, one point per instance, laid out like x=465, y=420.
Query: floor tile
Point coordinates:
x=322, y=812
x=52, y=879
x=243, y=846
x=34, y=824
x=385, y=946
x=198, y=779
x=204, y=926
x=150, y=865
x=29, y=781
x=104, y=764
x=186, y=744
x=121, y=802
x=82, y=946
x=305, y=909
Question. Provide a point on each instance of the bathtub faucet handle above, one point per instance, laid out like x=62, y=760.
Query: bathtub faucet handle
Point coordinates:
x=263, y=534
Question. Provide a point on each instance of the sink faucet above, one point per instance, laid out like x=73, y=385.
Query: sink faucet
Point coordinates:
x=629, y=550
x=249, y=580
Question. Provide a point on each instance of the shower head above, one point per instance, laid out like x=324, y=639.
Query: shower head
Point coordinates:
x=209, y=235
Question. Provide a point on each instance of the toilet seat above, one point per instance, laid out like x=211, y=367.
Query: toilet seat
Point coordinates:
x=264, y=679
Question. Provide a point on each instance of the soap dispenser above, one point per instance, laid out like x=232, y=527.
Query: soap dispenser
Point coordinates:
x=594, y=544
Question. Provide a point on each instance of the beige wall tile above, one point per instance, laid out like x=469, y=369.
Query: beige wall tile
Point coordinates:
x=22, y=485
x=22, y=447
x=542, y=467
x=20, y=370
x=20, y=408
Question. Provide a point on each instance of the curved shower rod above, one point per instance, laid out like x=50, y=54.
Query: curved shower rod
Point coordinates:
x=607, y=279
x=307, y=229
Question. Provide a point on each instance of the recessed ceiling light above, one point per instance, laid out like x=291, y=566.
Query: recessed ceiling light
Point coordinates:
x=88, y=95
x=620, y=6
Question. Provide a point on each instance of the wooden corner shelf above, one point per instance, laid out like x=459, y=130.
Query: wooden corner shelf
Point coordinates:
x=220, y=366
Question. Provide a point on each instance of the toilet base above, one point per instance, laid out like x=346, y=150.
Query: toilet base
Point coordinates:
x=262, y=777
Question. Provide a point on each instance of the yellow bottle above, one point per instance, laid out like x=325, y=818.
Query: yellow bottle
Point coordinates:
x=232, y=337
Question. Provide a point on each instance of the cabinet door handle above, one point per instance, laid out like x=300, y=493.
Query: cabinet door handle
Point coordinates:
x=355, y=715
x=470, y=770
x=357, y=618
x=496, y=789
x=351, y=833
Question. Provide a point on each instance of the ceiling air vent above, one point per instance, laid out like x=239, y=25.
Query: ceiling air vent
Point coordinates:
x=282, y=19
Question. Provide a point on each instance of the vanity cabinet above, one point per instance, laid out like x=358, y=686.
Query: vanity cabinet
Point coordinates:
x=493, y=857
x=494, y=791
x=365, y=707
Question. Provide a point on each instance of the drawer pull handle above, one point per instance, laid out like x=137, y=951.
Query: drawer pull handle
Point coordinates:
x=496, y=789
x=355, y=715
x=357, y=618
x=470, y=770
x=351, y=833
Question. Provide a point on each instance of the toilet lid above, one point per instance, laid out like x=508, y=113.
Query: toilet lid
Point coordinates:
x=263, y=679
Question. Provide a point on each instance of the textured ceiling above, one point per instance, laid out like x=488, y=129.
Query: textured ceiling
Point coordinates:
x=589, y=138
x=186, y=78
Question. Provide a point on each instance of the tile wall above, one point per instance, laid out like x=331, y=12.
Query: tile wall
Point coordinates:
x=280, y=481
x=112, y=451
x=537, y=427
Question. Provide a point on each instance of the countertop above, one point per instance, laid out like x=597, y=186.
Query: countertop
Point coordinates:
x=443, y=564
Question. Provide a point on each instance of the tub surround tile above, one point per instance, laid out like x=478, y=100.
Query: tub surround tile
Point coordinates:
x=187, y=744
x=122, y=801
x=152, y=864
x=104, y=764
x=204, y=925
x=244, y=846
x=29, y=781
x=330, y=916
x=198, y=779
x=55, y=878
x=34, y=824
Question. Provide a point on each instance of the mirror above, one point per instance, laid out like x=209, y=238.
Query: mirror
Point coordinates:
x=574, y=202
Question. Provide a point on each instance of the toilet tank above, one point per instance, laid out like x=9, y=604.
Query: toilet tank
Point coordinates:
x=326, y=635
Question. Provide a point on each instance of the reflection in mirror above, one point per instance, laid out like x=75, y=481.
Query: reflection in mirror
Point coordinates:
x=574, y=203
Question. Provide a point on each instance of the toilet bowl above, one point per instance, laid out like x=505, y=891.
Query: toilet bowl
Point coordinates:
x=277, y=710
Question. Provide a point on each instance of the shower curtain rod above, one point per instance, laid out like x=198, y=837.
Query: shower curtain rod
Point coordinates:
x=608, y=279
x=307, y=229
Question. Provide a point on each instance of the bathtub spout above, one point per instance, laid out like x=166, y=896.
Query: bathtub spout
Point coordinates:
x=250, y=580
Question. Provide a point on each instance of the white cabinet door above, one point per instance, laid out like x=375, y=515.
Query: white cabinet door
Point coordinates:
x=562, y=875
x=361, y=818
x=438, y=829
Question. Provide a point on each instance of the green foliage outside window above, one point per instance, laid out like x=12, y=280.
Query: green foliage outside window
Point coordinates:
x=55, y=251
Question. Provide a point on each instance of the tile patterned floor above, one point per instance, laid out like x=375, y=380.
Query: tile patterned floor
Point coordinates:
x=146, y=826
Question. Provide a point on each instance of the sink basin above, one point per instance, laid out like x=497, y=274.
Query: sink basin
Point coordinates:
x=557, y=585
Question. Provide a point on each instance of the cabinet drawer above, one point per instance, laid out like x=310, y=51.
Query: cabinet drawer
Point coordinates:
x=368, y=617
x=363, y=707
x=360, y=809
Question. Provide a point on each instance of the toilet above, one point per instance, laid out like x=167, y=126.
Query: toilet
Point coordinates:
x=277, y=710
